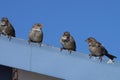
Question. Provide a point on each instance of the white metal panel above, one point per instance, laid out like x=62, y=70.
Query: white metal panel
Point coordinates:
x=50, y=61
x=15, y=53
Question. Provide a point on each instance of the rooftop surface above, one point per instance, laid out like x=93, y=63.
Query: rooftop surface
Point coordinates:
x=50, y=61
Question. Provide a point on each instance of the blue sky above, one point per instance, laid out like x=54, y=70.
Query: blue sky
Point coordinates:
x=82, y=18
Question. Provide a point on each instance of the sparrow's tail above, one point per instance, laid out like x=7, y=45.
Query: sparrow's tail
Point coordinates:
x=110, y=56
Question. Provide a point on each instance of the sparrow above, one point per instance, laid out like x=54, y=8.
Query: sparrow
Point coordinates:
x=68, y=42
x=98, y=50
x=36, y=34
x=6, y=28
